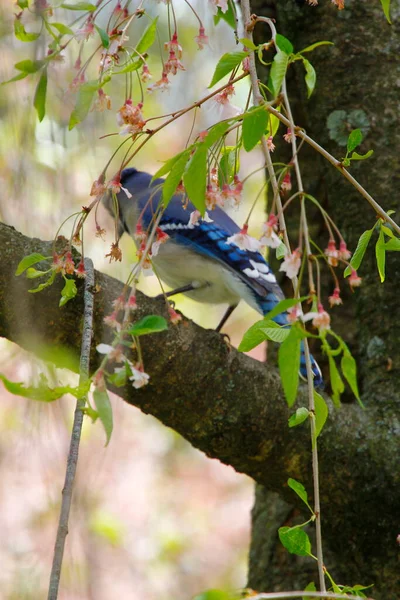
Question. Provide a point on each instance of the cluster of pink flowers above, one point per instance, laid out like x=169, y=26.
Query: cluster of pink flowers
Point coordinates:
x=291, y=264
x=130, y=118
x=64, y=264
x=223, y=97
x=218, y=196
x=141, y=236
x=269, y=236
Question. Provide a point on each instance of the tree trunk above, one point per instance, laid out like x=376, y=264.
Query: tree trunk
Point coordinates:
x=361, y=72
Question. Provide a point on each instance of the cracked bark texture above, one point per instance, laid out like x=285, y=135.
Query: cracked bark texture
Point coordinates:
x=361, y=71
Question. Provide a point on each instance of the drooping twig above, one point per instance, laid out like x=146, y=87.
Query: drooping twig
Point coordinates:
x=72, y=459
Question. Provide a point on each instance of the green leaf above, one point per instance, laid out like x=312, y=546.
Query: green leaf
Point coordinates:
x=83, y=102
x=119, y=378
x=278, y=72
x=309, y=588
x=359, y=252
x=255, y=121
x=215, y=133
x=174, y=177
x=226, y=64
x=32, y=273
x=39, y=101
x=195, y=178
x=254, y=336
x=23, y=3
x=148, y=37
x=228, y=165
x=336, y=381
x=68, y=292
x=281, y=251
x=149, y=324
x=275, y=334
x=63, y=29
x=387, y=231
x=79, y=6
x=228, y=16
x=284, y=305
x=43, y=392
x=15, y=78
x=386, y=9
x=380, y=253
x=356, y=156
x=284, y=44
x=289, y=364
x=105, y=40
x=295, y=540
x=22, y=35
x=44, y=285
x=321, y=414
x=300, y=490
x=104, y=409
x=393, y=245
x=349, y=370
x=29, y=66
x=132, y=66
x=310, y=78
x=248, y=43
x=316, y=45
x=28, y=261
x=299, y=416
x=167, y=166
x=355, y=138
x=273, y=124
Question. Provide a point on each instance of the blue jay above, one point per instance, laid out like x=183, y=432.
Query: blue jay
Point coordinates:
x=197, y=259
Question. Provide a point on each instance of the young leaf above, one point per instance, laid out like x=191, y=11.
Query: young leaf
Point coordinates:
x=195, y=179
x=132, y=65
x=79, y=6
x=253, y=336
x=21, y=34
x=349, y=370
x=215, y=133
x=39, y=101
x=32, y=273
x=393, y=245
x=228, y=165
x=248, y=44
x=43, y=392
x=167, y=166
x=355, y=138
x=359, y=252
x=15, y=78
x=386, y=9
x=63, y=29
x=310, y=78
x=255, y=122
x=309, y=588
x=356, y=156
x=321, y=414
x=149, y=324
x=273, y=124
x=105, y=40
x=44, y=285
x=148, y=37
x=316, y=45
x=226, y=64
x=214, y=595
x=300, y=490
x=336, y=381
x=380, y=253
x=278, y=72
x=281, y=251
x=28, y=261
x=174, y=177
x=284, y=305
x=275, y=334
x=289, y=364
x=299, y=416
x=104, y=409
x=83, y=103
x=29, y=66
x=284, y=44
x=295, y=540
x=68, y=292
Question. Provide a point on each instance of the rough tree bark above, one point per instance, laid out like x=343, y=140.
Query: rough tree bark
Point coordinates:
x=360, y=72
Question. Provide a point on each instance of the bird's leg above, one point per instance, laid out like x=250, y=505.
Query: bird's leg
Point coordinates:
x=226, y=316
x=181, y=290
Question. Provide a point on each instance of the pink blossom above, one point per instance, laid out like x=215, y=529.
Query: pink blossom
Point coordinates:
x=332, y=253
x=293, y=314
x=270, y=144
x=286, y=184
x=174, y=46
x=112, y=321
x=344, y=253
x=102, y=102
x=201, y=39
x=174, y=316
x=322, y=320
x=291, y=264
x=244, y=241
x=354, y=279
x=335, y=299
x=288, y=136
x=269, y=237
x=139, y=378
x=130, y=118
x=195, y=216
x=161, y=85
x=223, y=97
x=173, y=64
x=215, y=4
x=145, y=75
x=80, y=270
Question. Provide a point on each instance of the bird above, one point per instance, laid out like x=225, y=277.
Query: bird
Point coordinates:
x=198, y=259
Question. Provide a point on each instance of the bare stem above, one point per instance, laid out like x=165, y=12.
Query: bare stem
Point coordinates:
x=72, y=459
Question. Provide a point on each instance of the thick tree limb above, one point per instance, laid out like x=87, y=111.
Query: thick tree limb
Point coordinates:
x=225, y=403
